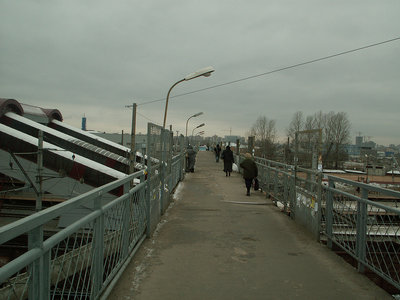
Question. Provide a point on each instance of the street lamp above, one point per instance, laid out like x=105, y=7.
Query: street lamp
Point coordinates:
x=202, y=72
x=201, y=125
x=195, y=115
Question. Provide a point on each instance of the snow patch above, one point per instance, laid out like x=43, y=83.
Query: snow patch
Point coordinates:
x=177, y=194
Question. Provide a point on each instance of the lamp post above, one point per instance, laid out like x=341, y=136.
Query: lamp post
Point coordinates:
x=201, y=125
x=132, y=153
x=195, y=115
x=202, y=72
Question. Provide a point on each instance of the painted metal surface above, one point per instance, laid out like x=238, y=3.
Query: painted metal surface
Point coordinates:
x=340, y=210
x=82, y=259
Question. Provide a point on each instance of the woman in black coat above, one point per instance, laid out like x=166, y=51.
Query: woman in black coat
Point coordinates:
x=250, y=171
x=227, y=156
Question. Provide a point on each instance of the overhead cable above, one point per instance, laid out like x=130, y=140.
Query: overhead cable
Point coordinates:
x=276, y=70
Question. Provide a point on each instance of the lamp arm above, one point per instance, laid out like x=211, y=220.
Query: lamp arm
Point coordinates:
x=166, y=102
x=187, y=122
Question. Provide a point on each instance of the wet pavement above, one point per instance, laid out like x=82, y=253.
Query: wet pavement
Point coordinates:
x=210, y=245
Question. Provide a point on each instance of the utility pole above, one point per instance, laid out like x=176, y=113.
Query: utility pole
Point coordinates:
x=132, y=154
x=39, y=177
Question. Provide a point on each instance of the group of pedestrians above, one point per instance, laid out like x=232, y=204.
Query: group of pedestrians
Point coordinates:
x=250, y=170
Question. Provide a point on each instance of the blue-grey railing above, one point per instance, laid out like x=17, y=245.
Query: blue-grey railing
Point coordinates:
x=340, y=211
x=83, y=260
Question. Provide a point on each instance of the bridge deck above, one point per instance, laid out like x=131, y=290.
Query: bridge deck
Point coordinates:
x=208, y=247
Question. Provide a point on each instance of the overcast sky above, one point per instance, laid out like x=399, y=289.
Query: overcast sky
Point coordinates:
x=95, y=57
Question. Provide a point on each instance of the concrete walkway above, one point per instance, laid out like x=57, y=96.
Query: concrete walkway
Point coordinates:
x=207, y=247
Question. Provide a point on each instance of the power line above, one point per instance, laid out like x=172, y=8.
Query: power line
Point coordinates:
x=276, y=70
x=148, y=119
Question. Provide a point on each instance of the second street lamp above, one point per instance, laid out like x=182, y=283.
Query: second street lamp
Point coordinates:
x=201, y=125
x=202, y=72
x=195, y=115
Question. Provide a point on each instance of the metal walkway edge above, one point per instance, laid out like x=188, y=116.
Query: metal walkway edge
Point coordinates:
x=208, y=247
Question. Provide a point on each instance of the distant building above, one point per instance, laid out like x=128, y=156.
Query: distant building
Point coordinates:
x=359, y=141
x=233, y=139
x=352, y=150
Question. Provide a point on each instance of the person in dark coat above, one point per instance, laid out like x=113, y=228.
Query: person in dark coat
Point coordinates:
x=217, y=151
x=250, y=171
x=191, y=159
x=227, y=156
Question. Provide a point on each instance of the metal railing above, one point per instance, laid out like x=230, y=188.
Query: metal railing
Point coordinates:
x=367, y=230
x=83, y=260
x=80, y=260
x=339, y=209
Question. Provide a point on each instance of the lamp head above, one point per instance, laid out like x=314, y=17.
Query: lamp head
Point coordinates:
x=201, y=125
x=198, y=114
x=202, y=72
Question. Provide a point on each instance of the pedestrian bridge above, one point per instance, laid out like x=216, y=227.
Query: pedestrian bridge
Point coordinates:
x=213, y=242
x=210, y=241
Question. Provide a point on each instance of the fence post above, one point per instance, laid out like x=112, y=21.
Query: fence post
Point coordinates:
x=319, y=203
x=275, y=186
x=45, y=286
x=98, y=248
x=170, y=169
x=148, y=183
x=163, y=155
x=361, y=236
x=285, y=192
x=125, y=221
x=267, y=178
x=35, y=240
x=182, y=160
x=329, y=213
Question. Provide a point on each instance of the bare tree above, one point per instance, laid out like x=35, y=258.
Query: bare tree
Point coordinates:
x=335, y=131
x=264, y=131
x=336, y=134
x=295, y=125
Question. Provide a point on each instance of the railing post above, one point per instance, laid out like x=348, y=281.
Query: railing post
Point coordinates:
x=292, y=195
x=267, y=179
x=170, y=169
x=98, y=250
x=148, y=182
x=329, y=214
x=361, y=236
x=125, y=221
x=163, y=155
x=182, y=162
x=35, y=240
x=319, y=204
x=285, y=192
x=275, y=186
x=45, y=286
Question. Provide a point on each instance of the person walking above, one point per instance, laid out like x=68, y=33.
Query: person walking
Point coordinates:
x=250, y=171
x=191, y=159
x=227, y=156
x=217, y=151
